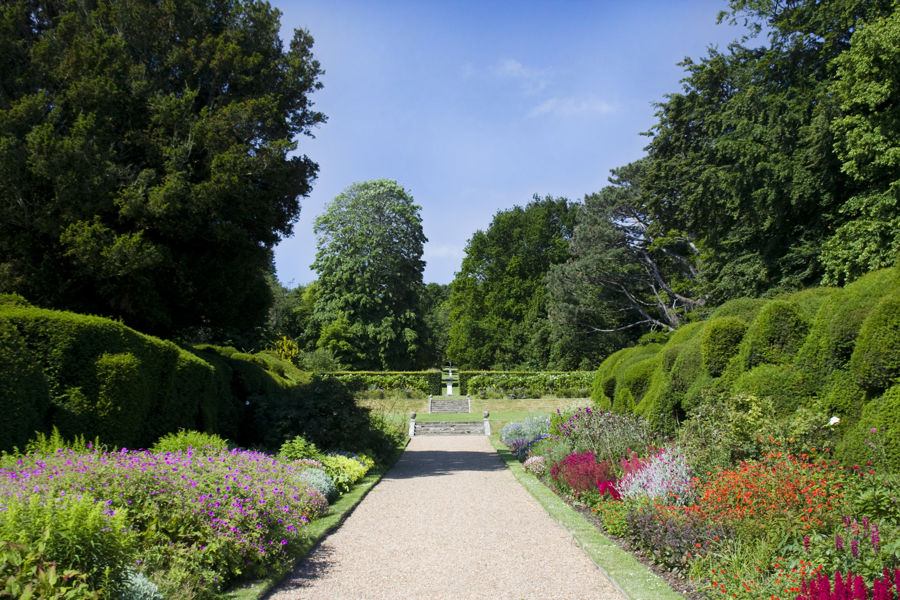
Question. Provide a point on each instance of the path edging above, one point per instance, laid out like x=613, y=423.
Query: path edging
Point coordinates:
x=319, y=529
x=625, y=572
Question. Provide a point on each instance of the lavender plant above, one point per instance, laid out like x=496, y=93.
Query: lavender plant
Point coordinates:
x=665, y=476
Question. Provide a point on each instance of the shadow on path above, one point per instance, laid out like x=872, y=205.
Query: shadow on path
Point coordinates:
x=431, y=463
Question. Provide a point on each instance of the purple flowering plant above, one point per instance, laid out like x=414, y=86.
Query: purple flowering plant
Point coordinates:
x=234, y=514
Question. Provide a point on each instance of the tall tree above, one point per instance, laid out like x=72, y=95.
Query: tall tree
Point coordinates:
x=148, y=152
x=498, y=310
x=743, y=158
x=868, y=145
x=626, y=275
x=369, y=261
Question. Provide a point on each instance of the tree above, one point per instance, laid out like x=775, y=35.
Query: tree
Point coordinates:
x=148, y=152
x=498, y=310
x=369, y=262
x=435, y=310
x=626, y=275
x=743, y=157
x=868, y=145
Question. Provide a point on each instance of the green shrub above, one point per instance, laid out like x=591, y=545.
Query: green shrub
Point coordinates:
x=529, y=384
x=183, y=440
x=775, y=336
x=876, y=436
x=745, y=309
x=842, y=398
x=75, y=533
x=344, y=471
x=810, y=300
x=138, y=587
x=45, y=445
x=781, y=383
x=24, y=394
x=636, y=378
x=14, y=300
x=669, y=355
x=423, y=382
x=875, y=362
x=297, y=448
x=322, y=481
x=26, y=573
x=720, y=341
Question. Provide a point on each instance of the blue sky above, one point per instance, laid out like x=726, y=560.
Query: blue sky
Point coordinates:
x=474, y=107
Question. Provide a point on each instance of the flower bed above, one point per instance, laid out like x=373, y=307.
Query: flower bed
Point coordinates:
x=777, y=523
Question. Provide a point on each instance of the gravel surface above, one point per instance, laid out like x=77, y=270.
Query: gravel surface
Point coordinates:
x=448, y=521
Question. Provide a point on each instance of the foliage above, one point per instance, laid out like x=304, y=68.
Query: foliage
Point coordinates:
x=298, y=448
x=670, y=539
x=73, y=531
x=369, y=262
x=138, y=587
x=774, y=336
x=609, y=436
x=45, y=445
x=150, y=157
x=875, y=362
x=627, y=275
x=665, y=477
x=97, y=378
x=423, y=382
x=579, y=473
x=498, y=305
x=202, y=444
x=323, y=482
x=345, y=471
x=536, y=465
x=26, y=574
x=866, y=142
x=217, y=518
x=721, y=338
x=517, y=384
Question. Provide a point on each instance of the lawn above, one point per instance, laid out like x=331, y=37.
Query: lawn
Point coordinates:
x=502, y=410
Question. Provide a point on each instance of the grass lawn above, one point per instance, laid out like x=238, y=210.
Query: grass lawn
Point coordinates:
x=503, y=410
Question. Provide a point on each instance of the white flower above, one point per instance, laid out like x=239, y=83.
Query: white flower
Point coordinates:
x=834, y=421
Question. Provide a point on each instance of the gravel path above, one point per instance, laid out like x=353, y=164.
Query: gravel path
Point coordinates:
x=448, y=521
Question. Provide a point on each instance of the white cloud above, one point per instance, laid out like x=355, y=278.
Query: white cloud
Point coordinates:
x=531, y=80
x=572, y=107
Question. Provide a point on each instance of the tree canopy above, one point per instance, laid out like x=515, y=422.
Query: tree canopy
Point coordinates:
x=369, y=263
x=498, y=310
x=148, y=153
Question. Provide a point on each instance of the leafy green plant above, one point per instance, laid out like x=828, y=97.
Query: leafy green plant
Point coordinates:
x=297, y=448
x=344, y=471
x=75, y=533
x=199, y=442
x=46, y=445
x=25, y=574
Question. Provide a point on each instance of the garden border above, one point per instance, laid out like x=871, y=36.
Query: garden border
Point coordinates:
x=625, y=572
x=319, y=529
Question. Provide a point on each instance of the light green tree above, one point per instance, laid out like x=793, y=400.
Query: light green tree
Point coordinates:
x=369, y=263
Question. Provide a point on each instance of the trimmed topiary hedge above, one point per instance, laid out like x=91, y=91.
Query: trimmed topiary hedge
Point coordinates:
x=426, y=382
x=828, y=352
x=527, y=384
x=719, y=343
x=875, y=362
x=95, y=377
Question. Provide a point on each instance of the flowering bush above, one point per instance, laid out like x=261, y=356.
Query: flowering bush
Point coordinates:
x=780, y=489
x=851, y=587
x=202, y=521
x=664, y=476
x=521, y=437
x=536, y=465
x=580, y=472
x=608, y=435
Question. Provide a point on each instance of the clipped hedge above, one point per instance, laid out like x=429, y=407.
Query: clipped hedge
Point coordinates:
x=875, y=362
x=527, y=384
x=426, y=382
x=99, y=378
x=95, y=377
x=831, y=352
x=719, y=343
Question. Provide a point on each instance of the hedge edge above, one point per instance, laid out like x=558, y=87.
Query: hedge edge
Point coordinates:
x=624, y=571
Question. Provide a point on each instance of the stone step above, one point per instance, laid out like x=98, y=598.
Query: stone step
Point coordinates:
x=450, y=428
x=460, y=405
